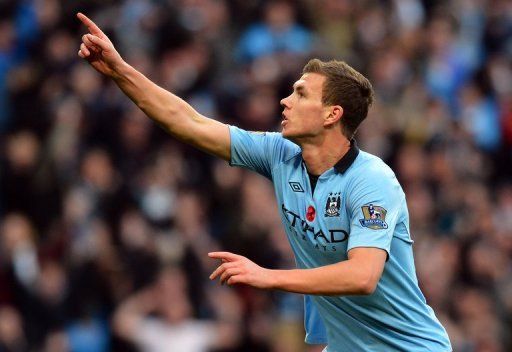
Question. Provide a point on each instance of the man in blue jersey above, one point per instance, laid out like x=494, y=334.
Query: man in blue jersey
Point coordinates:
x=344, y=212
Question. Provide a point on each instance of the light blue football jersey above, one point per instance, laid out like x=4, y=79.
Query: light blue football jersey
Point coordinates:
x=357, y=203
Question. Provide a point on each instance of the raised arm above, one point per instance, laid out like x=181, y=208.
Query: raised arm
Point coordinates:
x=171, y=112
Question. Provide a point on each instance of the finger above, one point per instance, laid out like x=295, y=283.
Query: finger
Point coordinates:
x=89, y=44
x=224, y=255
x=93, y=28
x=217, y=272
x=84, y=50
x=101, y=43
x=81, y=54
x=228, y=273
x=235, y=279
x=221, y=269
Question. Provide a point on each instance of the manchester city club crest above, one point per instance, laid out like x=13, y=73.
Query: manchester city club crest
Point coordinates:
x=374, y=217
x=332, y=207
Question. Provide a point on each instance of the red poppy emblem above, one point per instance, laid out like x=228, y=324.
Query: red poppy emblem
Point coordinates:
x=310, y=214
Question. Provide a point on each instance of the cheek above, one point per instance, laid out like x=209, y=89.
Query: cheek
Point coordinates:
x=313, y=108
x=312, y=115
x=303, y=107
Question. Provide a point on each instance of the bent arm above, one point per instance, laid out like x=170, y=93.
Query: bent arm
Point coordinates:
x=128, y=315
x=173, y=114
x=359, y=275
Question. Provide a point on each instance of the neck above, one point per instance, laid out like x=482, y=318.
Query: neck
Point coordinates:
x=324, y=154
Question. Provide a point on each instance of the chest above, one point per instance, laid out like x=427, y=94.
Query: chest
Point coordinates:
x=317, y=223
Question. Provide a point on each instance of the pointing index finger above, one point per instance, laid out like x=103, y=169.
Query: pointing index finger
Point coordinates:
x=93, y=28
x=223, y=255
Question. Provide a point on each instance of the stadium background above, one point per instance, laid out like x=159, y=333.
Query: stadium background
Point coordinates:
x=101, y=212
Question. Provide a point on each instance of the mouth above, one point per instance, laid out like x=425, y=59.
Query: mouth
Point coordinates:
x=284, y=121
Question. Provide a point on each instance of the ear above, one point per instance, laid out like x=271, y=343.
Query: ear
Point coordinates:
x=335, y=113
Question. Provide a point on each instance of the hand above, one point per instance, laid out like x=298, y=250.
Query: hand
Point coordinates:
x=98, y=50
x=236, y=269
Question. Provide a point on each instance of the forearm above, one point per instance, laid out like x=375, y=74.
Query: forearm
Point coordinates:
x=130, y=312
x=173, y=114
x=344, y=278
x=168, y=110
x=358, y=275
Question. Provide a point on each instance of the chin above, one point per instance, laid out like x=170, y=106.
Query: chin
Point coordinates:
x=286, y=134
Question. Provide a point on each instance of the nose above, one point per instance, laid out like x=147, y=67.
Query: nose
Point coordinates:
x=284, y=102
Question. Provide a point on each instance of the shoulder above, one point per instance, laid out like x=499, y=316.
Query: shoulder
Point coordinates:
x=370, y=173
x=370, y=167
x=273, y=140
x=282, y=148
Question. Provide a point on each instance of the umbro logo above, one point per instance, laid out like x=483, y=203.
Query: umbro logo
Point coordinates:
x=296, y=187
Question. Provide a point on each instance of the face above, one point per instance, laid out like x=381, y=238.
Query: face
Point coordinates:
x=304, y=114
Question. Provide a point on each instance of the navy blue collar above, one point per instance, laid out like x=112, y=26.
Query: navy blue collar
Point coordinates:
x=348, y=159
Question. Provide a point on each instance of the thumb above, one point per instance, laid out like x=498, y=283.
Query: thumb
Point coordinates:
x=103, y=44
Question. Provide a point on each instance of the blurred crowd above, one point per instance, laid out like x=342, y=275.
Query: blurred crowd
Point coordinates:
x=105, y=221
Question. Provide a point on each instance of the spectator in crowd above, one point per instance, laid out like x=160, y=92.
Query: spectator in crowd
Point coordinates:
x=174, y=328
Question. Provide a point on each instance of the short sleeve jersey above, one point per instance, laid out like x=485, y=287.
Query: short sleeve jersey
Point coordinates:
x=357, y=203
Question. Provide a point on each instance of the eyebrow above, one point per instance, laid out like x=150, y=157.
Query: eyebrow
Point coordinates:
x=299, y=88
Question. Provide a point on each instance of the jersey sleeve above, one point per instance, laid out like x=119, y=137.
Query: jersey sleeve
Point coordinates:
x=376, y=203
x=258, y=151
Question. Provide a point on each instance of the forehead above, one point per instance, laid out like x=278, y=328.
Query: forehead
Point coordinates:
x=312, y=82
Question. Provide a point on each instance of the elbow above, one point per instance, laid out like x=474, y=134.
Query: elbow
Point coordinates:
x=367, y=286
x=363, y=286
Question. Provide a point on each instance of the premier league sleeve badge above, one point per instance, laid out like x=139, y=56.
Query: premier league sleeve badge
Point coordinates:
x=374, y=217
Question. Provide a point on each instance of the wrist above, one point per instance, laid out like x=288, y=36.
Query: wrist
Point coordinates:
x=272, y=279
x=120, y=71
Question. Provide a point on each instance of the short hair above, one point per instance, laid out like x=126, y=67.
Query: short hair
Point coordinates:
x=346, y=87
